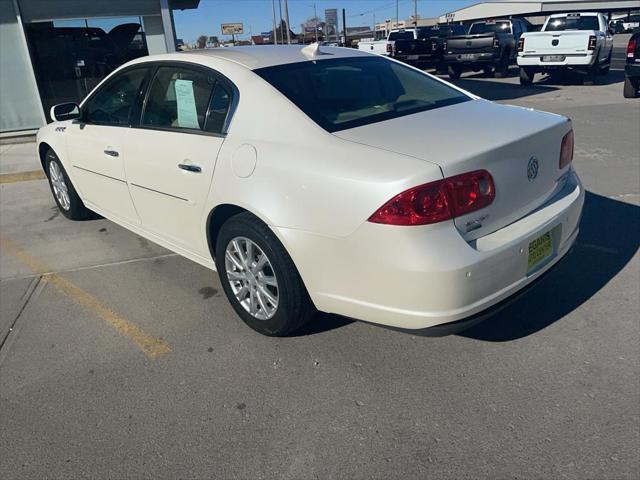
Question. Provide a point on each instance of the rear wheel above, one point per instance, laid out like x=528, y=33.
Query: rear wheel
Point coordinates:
x=453, y=72
x=502, y=70
x=592, y=73
x=64, y=194
x=489, y=72
x=631, y=87
x=526, y=76
x=605, y=70
x=260, y=279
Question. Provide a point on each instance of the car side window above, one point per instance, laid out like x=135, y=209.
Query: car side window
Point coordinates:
x=178, y=99
x=111, y=104
x=218, y=109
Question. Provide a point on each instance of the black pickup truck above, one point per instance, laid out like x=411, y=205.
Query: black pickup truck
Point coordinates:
x=428, y=47
x=490, y=46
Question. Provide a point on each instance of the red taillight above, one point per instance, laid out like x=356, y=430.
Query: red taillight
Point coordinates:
x=389, y=49
x=592, y=42
x=496, y=43
x=566, y=150
x=438, y=201
x=631, y=48
x=521, y=45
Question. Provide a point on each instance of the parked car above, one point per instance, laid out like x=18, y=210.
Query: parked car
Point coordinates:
x=428, y=47
x=617, y=26
x=358, y=198
x=385, y=46
x=489, y=46
x=632, y=68
x=630, y=23
x=567, y=41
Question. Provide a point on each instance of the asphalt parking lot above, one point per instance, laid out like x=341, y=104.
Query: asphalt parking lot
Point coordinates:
x=119, y=359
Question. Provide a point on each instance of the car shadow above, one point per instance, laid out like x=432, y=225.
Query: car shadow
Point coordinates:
x=322, y=322
x=573, y=78
x=607, y=241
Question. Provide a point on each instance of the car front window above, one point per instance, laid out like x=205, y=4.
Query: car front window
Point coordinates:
x=111, y=104
x=344, y=93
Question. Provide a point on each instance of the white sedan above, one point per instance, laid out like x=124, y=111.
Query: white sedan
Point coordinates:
x=330, y=180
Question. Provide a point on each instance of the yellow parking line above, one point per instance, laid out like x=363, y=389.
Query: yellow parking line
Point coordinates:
x=152, y=346
x=22, y=176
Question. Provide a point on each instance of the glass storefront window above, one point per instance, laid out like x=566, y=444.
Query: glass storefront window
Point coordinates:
x=70, y=57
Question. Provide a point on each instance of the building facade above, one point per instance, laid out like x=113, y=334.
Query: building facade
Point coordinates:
x=55, y=51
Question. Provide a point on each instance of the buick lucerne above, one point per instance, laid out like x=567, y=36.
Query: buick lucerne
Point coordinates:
x=318, y=178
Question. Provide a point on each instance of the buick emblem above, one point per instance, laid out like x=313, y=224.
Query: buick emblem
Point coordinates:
x=532, y=169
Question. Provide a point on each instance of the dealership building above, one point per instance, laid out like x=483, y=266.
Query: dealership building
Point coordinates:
x=52, y=51
x=534, y=11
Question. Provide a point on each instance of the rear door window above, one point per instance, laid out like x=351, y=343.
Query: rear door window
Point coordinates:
x=178, y=99
x=490, y=27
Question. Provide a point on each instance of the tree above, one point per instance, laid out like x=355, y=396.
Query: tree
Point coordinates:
x=202, y=41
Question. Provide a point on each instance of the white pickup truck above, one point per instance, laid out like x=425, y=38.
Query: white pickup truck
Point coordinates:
x=578, y=41
x=385, y=46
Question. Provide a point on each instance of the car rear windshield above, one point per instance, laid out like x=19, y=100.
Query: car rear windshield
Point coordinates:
x=393, y=36
x=491, y=27
x=344, y=93
x=572, y=23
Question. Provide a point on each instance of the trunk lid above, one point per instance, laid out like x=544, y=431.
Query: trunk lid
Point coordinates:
x=555, y=43
x=478, y=135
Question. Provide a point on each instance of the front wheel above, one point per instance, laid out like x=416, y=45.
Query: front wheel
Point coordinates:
x=260, y=279
x=64, y=194
x=526, y=76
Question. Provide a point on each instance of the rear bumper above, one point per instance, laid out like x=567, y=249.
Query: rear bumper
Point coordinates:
x=488, y=58
x=569, y=61
x=420, y=277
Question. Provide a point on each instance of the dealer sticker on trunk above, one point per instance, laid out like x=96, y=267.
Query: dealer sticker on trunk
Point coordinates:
x=539, y=250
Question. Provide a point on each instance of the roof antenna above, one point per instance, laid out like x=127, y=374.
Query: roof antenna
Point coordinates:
x=313, y=51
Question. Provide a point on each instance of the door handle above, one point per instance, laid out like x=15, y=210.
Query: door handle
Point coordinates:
x=189, y=167
x=111, y=153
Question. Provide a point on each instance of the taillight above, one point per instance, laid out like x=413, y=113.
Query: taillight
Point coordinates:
x=592, y=42
x=434, y=46
x=521, y=45
x=438, y=201
x=631, y=48
x=566, y=150
x=496, y=43
x=444, y=45
x=389, y=49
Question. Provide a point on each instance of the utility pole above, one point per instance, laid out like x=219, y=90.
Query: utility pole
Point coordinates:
x=275, y=31
x=344, y=26
x=286, y=22
x=415, y=13
x=397, y=14
x=315, y=16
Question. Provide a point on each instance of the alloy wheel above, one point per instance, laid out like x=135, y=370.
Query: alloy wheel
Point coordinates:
x=59, y=185
x=252, y=278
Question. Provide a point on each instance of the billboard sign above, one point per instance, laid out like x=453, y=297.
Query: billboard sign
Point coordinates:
x=331, y=22
x=232, y=29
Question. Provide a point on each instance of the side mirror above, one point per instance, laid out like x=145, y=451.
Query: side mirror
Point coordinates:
x=64, y=111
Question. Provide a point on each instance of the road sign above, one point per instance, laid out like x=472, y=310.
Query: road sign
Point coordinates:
x=232, y=29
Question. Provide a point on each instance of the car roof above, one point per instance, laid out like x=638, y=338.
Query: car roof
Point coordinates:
x=582, y=14
x=260, y=56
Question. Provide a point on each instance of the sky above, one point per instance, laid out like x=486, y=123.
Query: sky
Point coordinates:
x=257, y=15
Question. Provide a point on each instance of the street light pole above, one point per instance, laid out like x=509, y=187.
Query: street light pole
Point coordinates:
x=397, y=14
x=275, y=32
x=415, y=13
x=315, y=16
x=286, y=21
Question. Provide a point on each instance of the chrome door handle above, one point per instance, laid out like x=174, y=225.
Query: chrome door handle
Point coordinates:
x=189, y=167
x=111, y=153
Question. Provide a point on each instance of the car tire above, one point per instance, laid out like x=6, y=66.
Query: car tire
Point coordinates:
x=64, y=194
x=489, y=72
x=272, y=300
x=502, y=69
x=526, y=76
x=605, y=70
x=631, y=87
x=453, y=72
